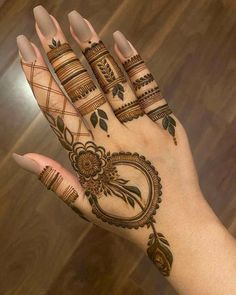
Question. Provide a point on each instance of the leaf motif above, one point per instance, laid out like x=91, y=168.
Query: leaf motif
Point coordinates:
x=120, y=87
x=51, y=46
x=50, y=118
x=165, y=122
x=131, y=201
x=65, y=145
x=60, y=124
x=94, y=119
x=171, y=120
x=121, y=95
x=171, y=130
x=106, y=70
x=57, y=132
x=102, y=114
x=68, y=136
x=103, y=124
x=133, y=189
x=54, y=42
x=115, y=90
x=122, y=181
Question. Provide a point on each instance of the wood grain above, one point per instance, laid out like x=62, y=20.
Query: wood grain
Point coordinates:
x=190, y=48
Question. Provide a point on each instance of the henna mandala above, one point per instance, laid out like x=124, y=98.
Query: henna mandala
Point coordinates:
x=106, y=70
x=54, y=181
x=168, y=123
x=99, y=174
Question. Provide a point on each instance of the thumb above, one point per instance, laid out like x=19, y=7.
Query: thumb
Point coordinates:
x=56, y=178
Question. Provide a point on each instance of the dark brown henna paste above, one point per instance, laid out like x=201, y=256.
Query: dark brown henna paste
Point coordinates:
x=54, y=182
x=99, y=175
x=106, y=70
x=75, y=79
x=129, y=111
x=168, y=123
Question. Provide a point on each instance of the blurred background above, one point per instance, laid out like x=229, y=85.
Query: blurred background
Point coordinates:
x=189, y=46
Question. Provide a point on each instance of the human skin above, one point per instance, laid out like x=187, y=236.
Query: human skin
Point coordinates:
x=134, y=172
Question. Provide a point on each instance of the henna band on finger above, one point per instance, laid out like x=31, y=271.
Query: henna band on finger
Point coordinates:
x=73, y=76
x=54, y=182
x=109, y=75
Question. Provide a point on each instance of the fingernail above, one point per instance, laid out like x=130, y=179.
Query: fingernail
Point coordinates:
x=44, y=22
x=122, y=44
x=26, y=49
x=79, y=26
x=27, y=163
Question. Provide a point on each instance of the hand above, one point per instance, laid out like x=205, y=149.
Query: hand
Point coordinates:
x=129, y=151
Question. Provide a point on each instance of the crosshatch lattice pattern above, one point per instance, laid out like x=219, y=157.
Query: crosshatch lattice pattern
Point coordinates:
x=52, y=100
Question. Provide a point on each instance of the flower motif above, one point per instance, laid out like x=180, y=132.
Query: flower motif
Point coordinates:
x=88, y=160
x=88, y=164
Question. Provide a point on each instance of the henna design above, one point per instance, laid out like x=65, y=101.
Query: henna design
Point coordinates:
x=168, y=123
x=54, y=182
x=55, y=44
x=142, y=81
x=92, y=104
x=73, y=76
x=75, y=79
x=149, y=97
x=129, y=111
x=133, y=65
x=99, y=116
x=47, y=92
x=106, y=70
x=98, y=173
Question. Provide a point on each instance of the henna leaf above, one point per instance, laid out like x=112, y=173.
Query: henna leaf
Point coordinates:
x=122, y=181
x=94, y=119
x=133, y=189
x=68, y=136
x=65, y=145
x=106, y=70
x=165, y=122
x=57, y=132
x=50, y=118
x=60, y=124
x=131, y=201
x=171, y=120
x=54, y=42
x=171, y=129
x=118, y=90
x=103, y=124
x=102, y=114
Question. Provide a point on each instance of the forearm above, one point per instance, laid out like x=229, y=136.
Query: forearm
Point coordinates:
x=204, y=253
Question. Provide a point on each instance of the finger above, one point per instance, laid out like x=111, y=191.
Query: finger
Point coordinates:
x=49, y=96
x=57, y=179
x=110, y=77
x=82, y=91
x=145, y=87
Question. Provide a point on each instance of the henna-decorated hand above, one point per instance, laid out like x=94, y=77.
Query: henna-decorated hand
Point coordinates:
x=130, y=153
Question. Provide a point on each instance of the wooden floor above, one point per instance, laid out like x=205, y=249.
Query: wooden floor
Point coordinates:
x=190, y=47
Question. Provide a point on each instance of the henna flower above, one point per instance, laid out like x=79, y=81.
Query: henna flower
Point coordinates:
x=88, y=160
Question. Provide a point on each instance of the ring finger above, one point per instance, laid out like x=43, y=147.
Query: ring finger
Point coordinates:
x=109, y=76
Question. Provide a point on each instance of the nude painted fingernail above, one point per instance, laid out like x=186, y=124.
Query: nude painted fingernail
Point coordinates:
x=27, y=163
x=122, y=44
x=44, y=22
x=26, y=49
x=79, y=26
